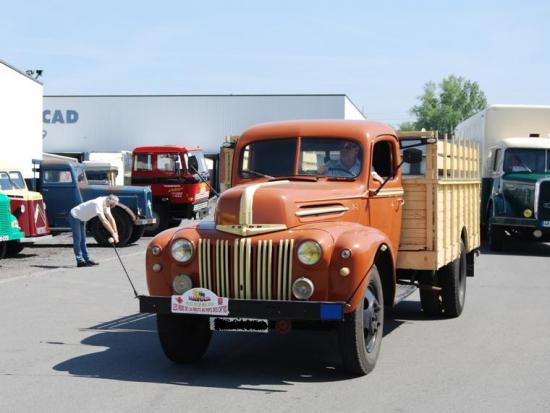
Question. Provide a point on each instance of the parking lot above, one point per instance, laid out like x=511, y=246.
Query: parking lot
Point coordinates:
x=74, y=337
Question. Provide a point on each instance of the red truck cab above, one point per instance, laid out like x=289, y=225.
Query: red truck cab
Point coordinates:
x=177, y=176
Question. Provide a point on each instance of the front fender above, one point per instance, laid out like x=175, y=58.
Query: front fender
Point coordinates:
x=365, y=245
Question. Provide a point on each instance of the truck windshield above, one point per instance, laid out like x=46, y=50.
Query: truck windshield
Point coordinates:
x=319, y=156
x=525, y=160
x=11, y=180
x=272, y=157
x=201, y=162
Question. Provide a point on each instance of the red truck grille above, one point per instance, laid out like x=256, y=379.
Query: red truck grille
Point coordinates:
x=241, y=269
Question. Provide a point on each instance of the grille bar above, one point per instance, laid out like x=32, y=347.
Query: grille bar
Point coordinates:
x=241, y=270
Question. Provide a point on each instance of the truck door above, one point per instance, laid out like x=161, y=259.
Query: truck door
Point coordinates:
x=385, y=206
x=61, y=192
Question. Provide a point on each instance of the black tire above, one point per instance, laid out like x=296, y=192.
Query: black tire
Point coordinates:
x=3, y=248
x=453, y=284
x=14, y=248
x=430, y=300
x=124, y=226
x=359, y=343
x=162, y=215
x=184, y=339
x=494, y=234
x=137, y=233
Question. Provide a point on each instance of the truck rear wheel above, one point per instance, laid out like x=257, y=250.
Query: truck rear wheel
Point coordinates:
x=3, y=249
x=453, y=283
x=429, y=300
x=360, y=334
x=184, y=339
x=137, y=233
x=124, y=227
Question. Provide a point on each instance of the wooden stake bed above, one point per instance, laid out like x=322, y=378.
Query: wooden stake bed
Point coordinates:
x=441, y=205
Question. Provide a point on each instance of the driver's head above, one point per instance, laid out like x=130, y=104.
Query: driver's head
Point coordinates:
x=348, y=154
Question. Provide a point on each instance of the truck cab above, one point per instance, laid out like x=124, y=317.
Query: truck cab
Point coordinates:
x=64, y=185
x=516, y=194
x=177, y=176
x=27, y=206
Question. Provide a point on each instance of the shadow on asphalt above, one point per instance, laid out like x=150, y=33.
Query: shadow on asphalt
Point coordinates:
x=520, y=248
x=130, y=351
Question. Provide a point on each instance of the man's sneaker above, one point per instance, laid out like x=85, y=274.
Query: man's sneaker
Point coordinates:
x=82, y=264
x=91, y=263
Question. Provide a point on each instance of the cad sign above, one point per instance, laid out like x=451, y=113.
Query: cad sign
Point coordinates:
x=59, y=116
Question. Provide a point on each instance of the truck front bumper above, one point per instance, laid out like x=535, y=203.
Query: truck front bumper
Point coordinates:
x=145, y=221
x=260, y=309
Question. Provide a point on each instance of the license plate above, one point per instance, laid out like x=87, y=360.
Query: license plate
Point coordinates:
x=546, y=224
x=200, y=301
x=246, y=325
x=200, y=206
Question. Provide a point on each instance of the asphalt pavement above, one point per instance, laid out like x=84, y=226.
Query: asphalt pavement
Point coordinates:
x=72, y=339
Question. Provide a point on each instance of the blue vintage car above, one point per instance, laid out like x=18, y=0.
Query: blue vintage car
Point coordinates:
x=63, y=185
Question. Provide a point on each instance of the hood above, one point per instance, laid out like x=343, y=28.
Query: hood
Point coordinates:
x=93, y=191
x=277, y=205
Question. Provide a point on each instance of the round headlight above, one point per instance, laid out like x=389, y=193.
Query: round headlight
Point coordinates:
x=182, y=283
x=302, y=288
x=182, y=250
x=23, y=208
x=309, y=252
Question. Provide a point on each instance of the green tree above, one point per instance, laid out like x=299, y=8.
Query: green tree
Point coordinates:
x=444, y=106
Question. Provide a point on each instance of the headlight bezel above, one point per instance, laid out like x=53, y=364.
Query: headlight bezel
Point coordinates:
x=309, y=243
x=177, y=243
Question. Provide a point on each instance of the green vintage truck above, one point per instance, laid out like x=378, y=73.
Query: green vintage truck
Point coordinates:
x=515, y=189
x=9, y=228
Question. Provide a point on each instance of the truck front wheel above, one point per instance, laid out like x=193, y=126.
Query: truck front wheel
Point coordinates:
x=124, y=227
x=137, y=233
x=360, y=334
x=453, y=283
x=430, y=300
x=162, y=215
x=494, y=234
x=3, y=249
x=184, y=339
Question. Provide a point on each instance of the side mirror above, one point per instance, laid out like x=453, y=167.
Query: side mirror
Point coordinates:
x=412, y=156
x=193, y=164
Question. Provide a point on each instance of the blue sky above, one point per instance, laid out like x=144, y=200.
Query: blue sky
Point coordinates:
x=378, y=53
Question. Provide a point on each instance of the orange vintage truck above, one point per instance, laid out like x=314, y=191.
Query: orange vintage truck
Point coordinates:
x=323, y=224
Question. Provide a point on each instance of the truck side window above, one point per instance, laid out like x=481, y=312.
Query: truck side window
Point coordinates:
x=143, y=162
x=382, y=159
x=57, y=177
x=166, y=162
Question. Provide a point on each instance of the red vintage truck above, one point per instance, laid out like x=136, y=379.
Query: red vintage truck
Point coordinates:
x=27, y=206
x=306, y=238
x=177, y=176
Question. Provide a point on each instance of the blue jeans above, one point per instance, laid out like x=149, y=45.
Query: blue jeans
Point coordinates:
x=79, y=239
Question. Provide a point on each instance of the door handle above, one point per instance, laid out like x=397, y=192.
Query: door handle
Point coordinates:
x=401, y=201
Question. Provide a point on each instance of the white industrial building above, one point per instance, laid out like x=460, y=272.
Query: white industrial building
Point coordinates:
x=77, y=124
x=20, y=119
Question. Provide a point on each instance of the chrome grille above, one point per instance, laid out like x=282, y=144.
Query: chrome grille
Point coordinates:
x=544, y=201
x=241, y=269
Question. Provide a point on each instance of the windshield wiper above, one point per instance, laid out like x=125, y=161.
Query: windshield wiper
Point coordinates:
x=341, y=178
x=259, y=174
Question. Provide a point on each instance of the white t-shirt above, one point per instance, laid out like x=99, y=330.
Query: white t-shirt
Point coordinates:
x=89, y=209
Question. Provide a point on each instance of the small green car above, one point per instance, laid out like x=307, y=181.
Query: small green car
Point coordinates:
x=9, y=227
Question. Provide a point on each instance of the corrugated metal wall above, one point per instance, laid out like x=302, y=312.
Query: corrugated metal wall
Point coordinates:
x=115, y=123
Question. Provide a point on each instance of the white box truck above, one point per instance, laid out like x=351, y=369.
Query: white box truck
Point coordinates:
x=515, y=156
